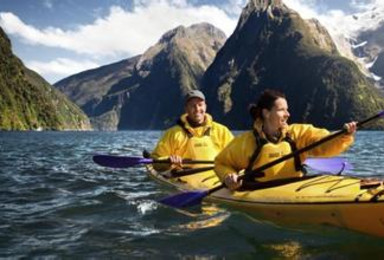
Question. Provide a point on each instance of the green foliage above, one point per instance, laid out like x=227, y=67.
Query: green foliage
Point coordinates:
x=28, y=102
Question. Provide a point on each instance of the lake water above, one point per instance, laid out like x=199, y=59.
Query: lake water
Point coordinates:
x=56, y=203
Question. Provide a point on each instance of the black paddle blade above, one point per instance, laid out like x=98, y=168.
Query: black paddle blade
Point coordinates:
x=114, y=161
x=184, y=199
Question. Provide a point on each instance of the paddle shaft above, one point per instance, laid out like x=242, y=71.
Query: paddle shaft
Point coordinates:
x=186, y=172
x=130, y=161
x=185, y=161
x=191, y=171
x=299, y=151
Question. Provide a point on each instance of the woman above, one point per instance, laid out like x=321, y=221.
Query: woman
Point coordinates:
x=272, y=138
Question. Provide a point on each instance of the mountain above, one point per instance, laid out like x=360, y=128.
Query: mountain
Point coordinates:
x=378, y=66
x=369, y=47
x=273, y=47
x=148, y=93
x=88, y=88
x=28, y=102
x=361, y=38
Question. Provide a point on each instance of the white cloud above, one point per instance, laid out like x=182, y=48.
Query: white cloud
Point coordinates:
x=121, y=33
x=147, y=3
x=48, y=4
x=234, y=7
x=307, y=9
x=60, y=67
x=364, y=5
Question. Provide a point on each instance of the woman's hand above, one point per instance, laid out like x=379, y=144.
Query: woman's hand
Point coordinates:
x=232, y=182
x=351, y=127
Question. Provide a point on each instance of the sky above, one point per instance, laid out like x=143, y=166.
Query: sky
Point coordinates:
x=59, y=38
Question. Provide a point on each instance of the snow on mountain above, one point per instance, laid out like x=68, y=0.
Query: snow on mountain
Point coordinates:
x=360, y=37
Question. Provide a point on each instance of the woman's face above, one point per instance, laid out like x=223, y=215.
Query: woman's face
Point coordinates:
x=277, y=117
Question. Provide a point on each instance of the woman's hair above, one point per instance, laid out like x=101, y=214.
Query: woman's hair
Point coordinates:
x=266, y=101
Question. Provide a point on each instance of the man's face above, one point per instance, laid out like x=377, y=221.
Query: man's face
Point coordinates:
x=195, y=108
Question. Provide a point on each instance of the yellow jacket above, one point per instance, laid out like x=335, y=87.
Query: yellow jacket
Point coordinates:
x=235, y=157
x=176, y=141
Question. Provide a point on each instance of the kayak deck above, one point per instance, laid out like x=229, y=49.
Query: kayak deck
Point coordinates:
x=325, y=199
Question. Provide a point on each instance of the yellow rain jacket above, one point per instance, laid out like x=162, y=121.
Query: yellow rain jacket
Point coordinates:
x=236, y=156
x=200, y=143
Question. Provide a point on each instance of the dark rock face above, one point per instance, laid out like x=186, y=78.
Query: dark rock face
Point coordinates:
x=90, y=90
x=378, y=66
x=273, y=47
x=166, y=72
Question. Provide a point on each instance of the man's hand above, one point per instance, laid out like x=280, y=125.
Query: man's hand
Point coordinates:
x=176, y=161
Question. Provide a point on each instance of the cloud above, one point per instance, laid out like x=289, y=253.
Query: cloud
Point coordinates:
x=121, y=32
x=233, y=7
x=48, y=4
x=307, y=9
x=339, y=22
x=364, y=5
x=60, y=67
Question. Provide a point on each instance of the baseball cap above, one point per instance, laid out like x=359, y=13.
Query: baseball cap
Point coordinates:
x=194, y=94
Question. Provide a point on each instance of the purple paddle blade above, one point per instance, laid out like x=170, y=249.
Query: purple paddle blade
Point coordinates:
x=184, y=199
x=331, y=165
x=119, y=161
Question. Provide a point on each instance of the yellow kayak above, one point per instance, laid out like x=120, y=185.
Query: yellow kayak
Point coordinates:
x=340, y=201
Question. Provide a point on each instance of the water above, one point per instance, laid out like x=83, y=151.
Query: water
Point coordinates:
x=56, y=203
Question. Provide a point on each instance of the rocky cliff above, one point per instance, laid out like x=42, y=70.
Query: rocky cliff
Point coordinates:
x=273, y=47
x=28, y=102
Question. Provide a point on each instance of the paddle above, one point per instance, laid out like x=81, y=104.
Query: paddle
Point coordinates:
x=130, y=161
x=331, y=165
x=186, y=172
x=191, y=198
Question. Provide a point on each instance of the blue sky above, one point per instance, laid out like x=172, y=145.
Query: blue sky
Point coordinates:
x=58, y=38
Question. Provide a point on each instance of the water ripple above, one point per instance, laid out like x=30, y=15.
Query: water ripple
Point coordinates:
x=56, y=203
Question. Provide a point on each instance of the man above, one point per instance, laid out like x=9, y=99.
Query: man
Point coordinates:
x=196, y=136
